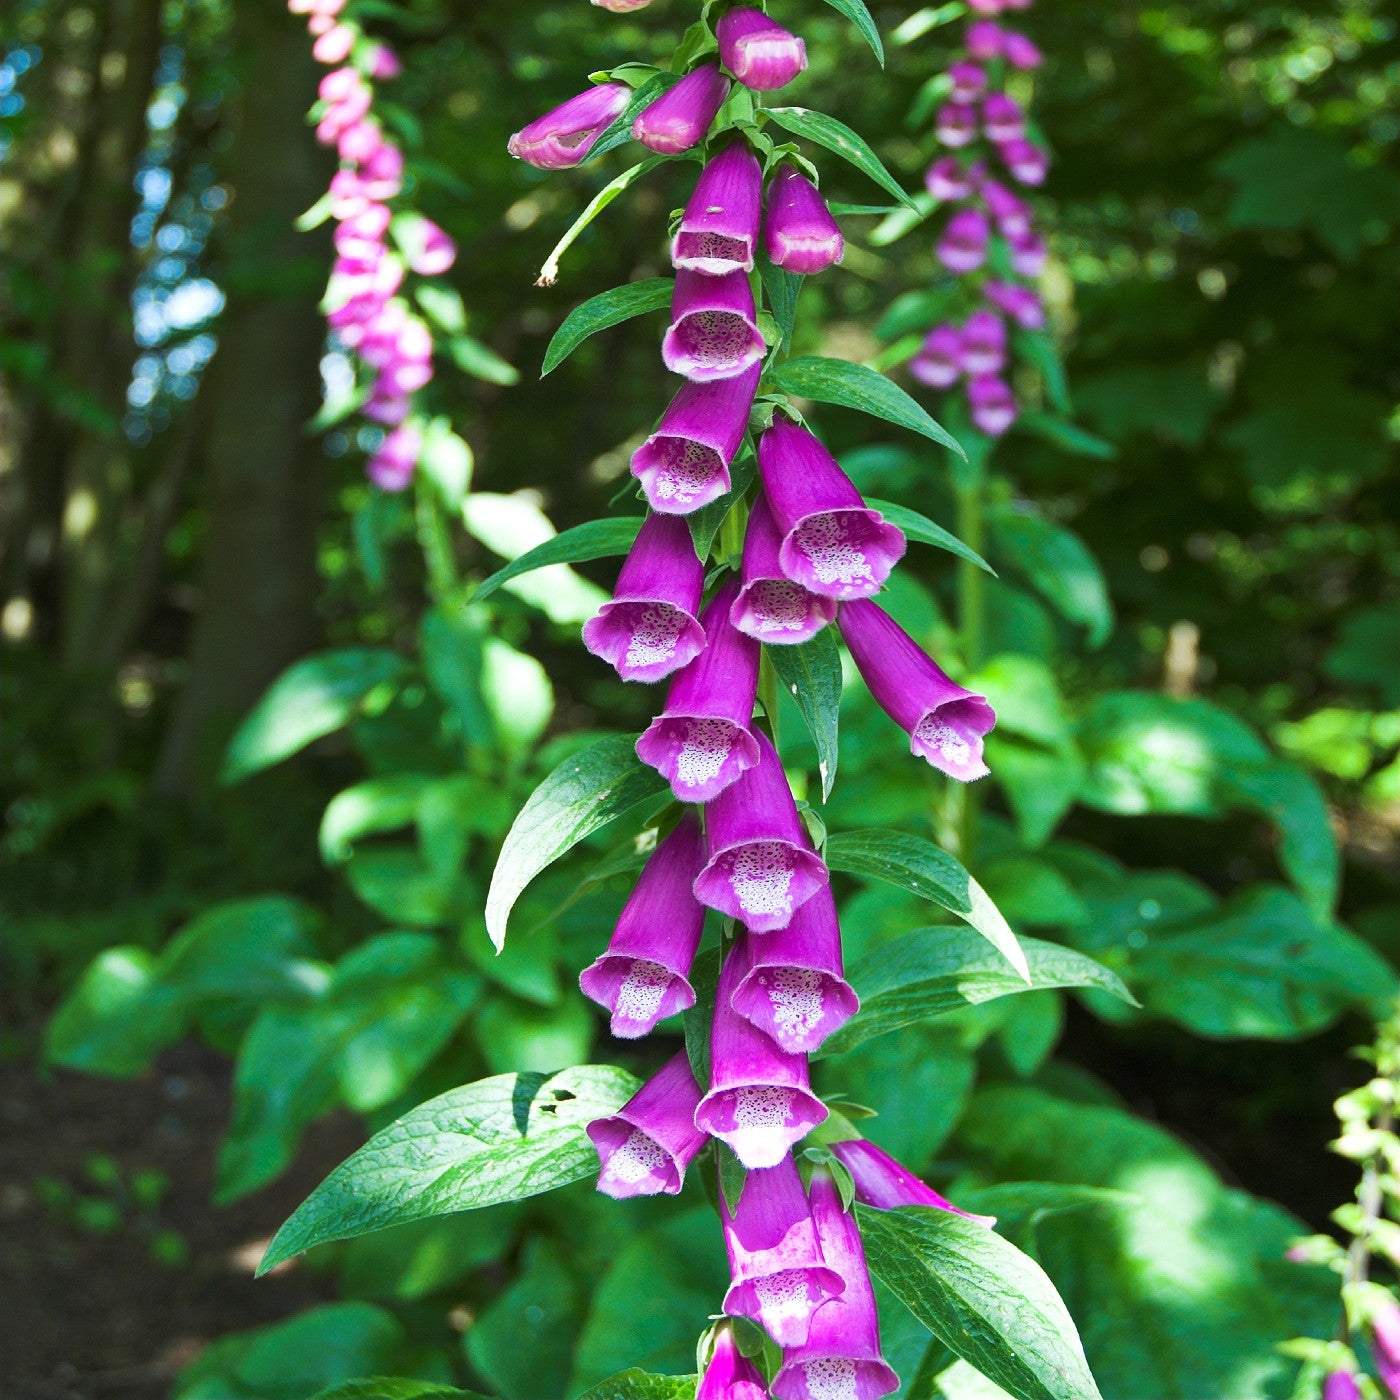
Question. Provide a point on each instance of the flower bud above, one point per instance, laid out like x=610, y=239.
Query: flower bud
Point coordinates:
x=983, y=40
x=939, y=362
x=946, y=180
x=1026, y=162
x=759, y=52
x=563, y=137
x=992, y=402
x=963, y=246
x=799, y=233
x=956, y=124
x=681, y=116
x=1019, y=51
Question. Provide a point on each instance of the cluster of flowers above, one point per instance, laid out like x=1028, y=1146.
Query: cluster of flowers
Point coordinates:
x=364, y=309
x=976, y=112
x=814, y=553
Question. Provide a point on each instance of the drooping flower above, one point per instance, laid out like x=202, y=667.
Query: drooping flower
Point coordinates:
x=1019, y=51
x=992, y=403
x=983, y=342
x=714, y=327
x=968, y=81
x=799, y=232
x=382, y=63
x=643, y=977
x=1340, y=1385
x=770, y=606
x=729, y=1374
x=983, y=40
x=963, y=246
x=1028, y=253
x=779, y=1279
x=760, y=1101
x=956, y=124
x=719, y=228
x=882, y=1182
x=945, y=179
x=761, y=865
x=1020, y=303
x=645, y=1147
x=1002, y=118
x=945, y=723
x=563, y=137
x=940, y=358
x=701, y=742
x=681, y=116
x=833, y=543
x=841, y=1356
x=1385, y=1338
x=649, y=629
x=392, y=463
x=792, y=985
x=433, y=252
x=1012, y=213
x=757, y=50
x=1026, y=162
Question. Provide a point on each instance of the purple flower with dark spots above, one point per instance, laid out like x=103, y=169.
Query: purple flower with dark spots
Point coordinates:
x=799, y=233
x=793, y=987
x=882, y=1182
x=833, y=543
x=714, y=327
x=940, y=359
x=762, y=867
x=729, y=1374
x=760, y=1101
x=391, y=466
x=956, y=124
x=840, y=1360
x=779, y=1279
x=650, y=629
x=645, y=1147
x=1026, y=162
x=563, y=137
x=719, y=228
x=701, y=742
x=681, y=116
x=684, y=464
x=963, y=247
x=757, y=50
x=770, y=606
x=1002, y=118
x=983, y=343
x=992, y=403
x=945, y=723
x=946, y=180
x=644, y=975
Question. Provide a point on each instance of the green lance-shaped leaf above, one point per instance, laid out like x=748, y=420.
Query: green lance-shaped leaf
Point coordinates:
x=839, y=138
x=583, y=793
x=932, y=971
x=917, y=865
x=500, y=1139
x=811, y=674
x=982, y=1298
x=858, y=386
x=594, y=539
x=396, y=1388
x=921, y=528
x=609, y=308
x=637, y=1384
x=311, y=699
x=855, y=11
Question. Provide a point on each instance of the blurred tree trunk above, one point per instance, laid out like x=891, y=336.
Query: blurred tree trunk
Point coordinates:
x=262, y=499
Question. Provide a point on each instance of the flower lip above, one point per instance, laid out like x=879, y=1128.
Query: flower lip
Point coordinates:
x=842, y=554
x=770, y=607
x=645, y=1147
x=719, y=228
x=799, y=232
x=563, y=137
x=759, y=51
x=644, y=639
x=714, y=329
x=638, y=991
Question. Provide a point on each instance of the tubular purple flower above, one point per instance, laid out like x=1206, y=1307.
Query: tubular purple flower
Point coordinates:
x=391, y=466
x=334, y=45
x=383, y=62
x=963, y=247
x=793, y=987
x=730, y=1375
x=644, y=975
x=762, y=867
x=714, y=329
x=649, y=628
x=983, y=39
x=1028, y=254
x=381, y=174
x=969, y=81
x=359, y=142
x=940, y=359
x=833, y=543
x=684, y=464
x=1020, y=303
x=956, y=124
x=681, y=116
x=757, y=50
x=799, y=232
x=1019, y=51
x=1012, y=214
x=701, y=742
x=564, y=136
x=945, y=179
x=779, y=1279
x=841, y=1356
x=760, y=1100
x=770, y=607
x=1026, y=162
x=1341, y=1385
x=645, y=1147
x=945, y=723
x=1385, y=1344
x=882, y=1182
x=1002, y=118
x=992, y=403
x=719, y=228
x=435, y=253
x=983, y=343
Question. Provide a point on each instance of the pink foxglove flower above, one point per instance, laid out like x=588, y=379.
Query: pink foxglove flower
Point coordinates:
x=771, y=607
x=650, y=629
x=391, y=466
x=940, y=359
x=983, y=40
x=564, y=136
x=1028, y=254
x=1026, y=162
x=1020, y=303
x=719, y=228
x=882, y=1182
x=714, y=327
x=963, y=246
x=645, y=1147
x=956, y=124
x=945, y=180
x=992, y=403
x=644, y=975
x=681, y=116
x=757, y=50
x=1002, y=118
x=334, y=45
x=799, y=232
x=1019, y=51
x=983, y=343
x=969, y=81
x=945, y=723
x=729, y=1374
x=1012, y=213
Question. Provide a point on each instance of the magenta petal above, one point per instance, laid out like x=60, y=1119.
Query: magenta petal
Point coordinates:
x=799, y=232
x=645, y=1147
x=681, y=116
x=760, y=1100
x=563, y=137
x=779, y=1278
x=713, y=332
x=719, y=228
x=701, y=742
x=833, y=544
x=730, y=1375
x=684, y=464
x=793, y=987
x=946, y=724
x=759, y=51
x=649, y=629
x=762, y=866
x=770, y=607
x=841, y=1356
x=643, y=976
x=882, y=1182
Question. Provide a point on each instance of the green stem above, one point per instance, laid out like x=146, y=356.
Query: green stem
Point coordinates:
x=435, y=540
